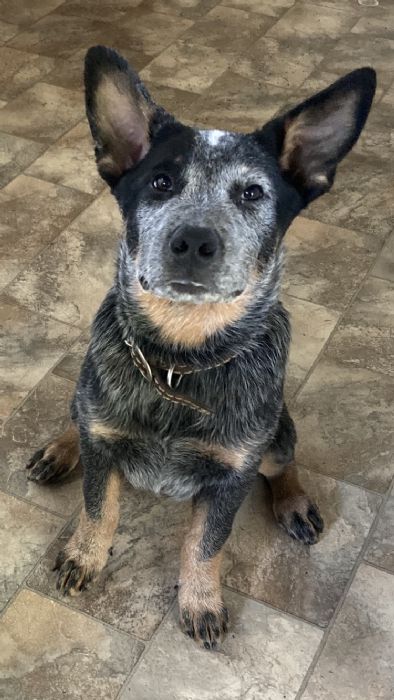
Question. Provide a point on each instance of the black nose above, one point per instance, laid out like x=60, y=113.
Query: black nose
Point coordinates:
x=195, y=244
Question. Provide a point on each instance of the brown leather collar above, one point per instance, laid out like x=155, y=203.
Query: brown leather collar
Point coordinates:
x=167, y=389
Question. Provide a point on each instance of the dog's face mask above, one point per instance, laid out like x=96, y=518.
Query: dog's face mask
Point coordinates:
x=206, y=211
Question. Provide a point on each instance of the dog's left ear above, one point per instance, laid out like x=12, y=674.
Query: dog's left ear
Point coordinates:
x=120, y=111
x=311, y=139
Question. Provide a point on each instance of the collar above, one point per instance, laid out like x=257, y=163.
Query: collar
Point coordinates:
x=168, y=388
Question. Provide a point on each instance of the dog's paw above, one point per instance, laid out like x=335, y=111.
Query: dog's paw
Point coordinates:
x=206, y=627
x=300, y=518
x=56, y=460
x=72, y=577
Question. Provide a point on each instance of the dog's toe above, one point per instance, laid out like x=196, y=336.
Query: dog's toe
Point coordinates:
x=206, y=627
x=301, y=519
x=72, y=578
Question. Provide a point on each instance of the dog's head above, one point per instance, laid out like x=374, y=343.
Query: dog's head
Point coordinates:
x=205, y=210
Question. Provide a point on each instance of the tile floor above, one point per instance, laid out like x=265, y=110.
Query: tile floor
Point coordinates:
x=314, y=623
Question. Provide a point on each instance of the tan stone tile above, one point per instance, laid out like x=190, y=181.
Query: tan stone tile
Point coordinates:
x=32, y=213
x=150, y=32
x=319, y=80
x=26, y=11
x=61, y=36
x=355, y=50
x=43, y=112
x=384, y=266
x=42, y=417
x=2, y=104
x=361, y=198
x=388, y=98
x=285, y=63
x=235, y=103
x=380, y=550
x=69, y=367
x=177, y=102
x=70, y=162
x=375, y=26
x=325, y=264
x=25, y=533
x=344, y=421
x=108, y=10
x=377, y=138
x=227, y=28
x=323, y=25
x=365, y=336
x=186, y=8
x=136, y=588
x=31, y=345
x=265, y=655
x=71, y=277
x=16, y=154
x=20, y=70
x=102, y=217
x=50, y=652
x=186, y=67
x=356, y=662
x=271, y=8
x=261, y=560
x=311, y=326
x=7, y=31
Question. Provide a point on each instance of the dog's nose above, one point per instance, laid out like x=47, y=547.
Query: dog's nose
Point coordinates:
x=195, y=244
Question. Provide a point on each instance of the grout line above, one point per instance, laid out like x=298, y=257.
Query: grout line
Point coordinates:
x=376, y=566
x=148, y=645
x=319, y=356
x=360, y=559
x=43, y=509
x=361, y=487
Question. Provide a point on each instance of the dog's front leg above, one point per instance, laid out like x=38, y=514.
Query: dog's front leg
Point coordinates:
x=86, y=553
x=202, y=613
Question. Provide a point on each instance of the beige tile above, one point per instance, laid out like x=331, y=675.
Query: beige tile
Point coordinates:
x=150, y=32
x=361, y=198
x=262, y=561
x=136, y=587
x=265, y=656
x=25, y=533
x=271, y=8
x=26, y=11
x=285, y=63
x=375, y=26
x=186, y=67
x=227, y=28
x=388, y=98
x=32, y=213
x=355, y=50
x=356, y=663
x=70, y=365
x=107, y=10
x=20, y=70
x=380, y=550
x=235, y=103
x=384, y=266
x=42, y=417
x=60, y=36
x=43, y=112
x=31, y=345
x=70, y=162
x=56, y=282
x=377, y=139
x=191, y=9
x=50, y=652
x=7, y=31
x=344, y=418
x=319, y=80
x=365, y=336
x=102, y=217
x=324, y=25
x=16, y=154
x=311, y=326
x=178, y=102
x=325, y=264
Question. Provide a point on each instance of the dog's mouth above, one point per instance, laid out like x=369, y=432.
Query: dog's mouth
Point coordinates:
x=188, y=291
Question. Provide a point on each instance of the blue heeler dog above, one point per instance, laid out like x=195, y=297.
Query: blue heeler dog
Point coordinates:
x=181, y=390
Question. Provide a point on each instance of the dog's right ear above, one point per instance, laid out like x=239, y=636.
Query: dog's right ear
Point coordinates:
x=120, y=112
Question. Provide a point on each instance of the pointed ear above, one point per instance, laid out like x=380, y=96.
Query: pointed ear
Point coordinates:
x=311, y=139
x=120, y=112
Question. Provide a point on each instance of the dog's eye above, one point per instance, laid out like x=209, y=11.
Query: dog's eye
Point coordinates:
x=162, y=183
x=252, y=193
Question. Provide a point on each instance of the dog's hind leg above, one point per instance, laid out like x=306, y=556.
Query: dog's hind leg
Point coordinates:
x=293, y=510
x=57, y=459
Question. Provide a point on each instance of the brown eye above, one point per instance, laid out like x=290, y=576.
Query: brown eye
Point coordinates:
x=162, y=183
x=252, y=193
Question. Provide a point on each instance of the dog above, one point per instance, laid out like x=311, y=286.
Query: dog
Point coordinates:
x=181, y=389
